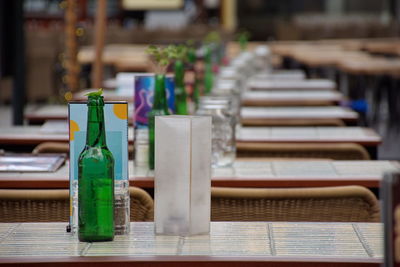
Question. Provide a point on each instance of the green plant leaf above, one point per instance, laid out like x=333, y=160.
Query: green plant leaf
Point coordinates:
x=243, y=39
x=162, y=56
x=95, y=93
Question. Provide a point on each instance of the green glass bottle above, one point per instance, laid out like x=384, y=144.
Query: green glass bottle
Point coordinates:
x=95, y=179
x=180, y=91
x=159, y=108
x=191, y=57
x=208, y=72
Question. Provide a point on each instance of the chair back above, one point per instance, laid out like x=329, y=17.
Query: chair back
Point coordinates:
x=53, y=205
x=325, y=204
x=293, y=122
x=339, y=151
x=142, y=205
x=34, y=205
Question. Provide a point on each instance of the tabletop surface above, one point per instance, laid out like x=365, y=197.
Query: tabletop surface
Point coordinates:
x=249, y=241
x=58, y=131
x=60, y=112
x=52, y=130
x=298, y=113
x=309, y=84
x=280, y=74
x=292, y=95
x=308, y=134
x=249, y=173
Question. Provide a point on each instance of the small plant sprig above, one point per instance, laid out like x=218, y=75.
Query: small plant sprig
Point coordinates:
x=95, y=93
x=243, y=39
x=191, y=51
x=179, y=52
x=161, y=57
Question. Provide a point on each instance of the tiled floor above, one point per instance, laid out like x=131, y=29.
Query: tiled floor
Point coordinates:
x=389, y=150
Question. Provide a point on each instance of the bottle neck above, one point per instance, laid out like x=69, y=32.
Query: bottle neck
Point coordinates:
x=160, y=98
x=192, y=55
x=95, y=135
x=207, y=56
x=179, y=73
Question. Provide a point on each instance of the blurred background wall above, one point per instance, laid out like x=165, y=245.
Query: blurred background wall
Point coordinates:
x=153, y=21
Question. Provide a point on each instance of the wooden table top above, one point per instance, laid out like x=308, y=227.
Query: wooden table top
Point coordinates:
x=112, y=53
x=359, y=135
x=291, y=98
x=293, y=113
x=249, y=243
x=370, y=66
x=244, y=173
x=309, y=84
x=315, y=56
x=389, y=47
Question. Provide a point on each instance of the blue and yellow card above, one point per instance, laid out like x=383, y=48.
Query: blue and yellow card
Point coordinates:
x=116, y=124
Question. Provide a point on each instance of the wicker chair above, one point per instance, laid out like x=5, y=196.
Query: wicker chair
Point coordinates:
x=37, y=205
x=142, y=205
x=53, y=205
x=340, y=151
x=325, y=204
x=296, y=122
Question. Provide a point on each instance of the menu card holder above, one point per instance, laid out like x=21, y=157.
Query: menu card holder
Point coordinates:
x=182, y=175
x=116, y=127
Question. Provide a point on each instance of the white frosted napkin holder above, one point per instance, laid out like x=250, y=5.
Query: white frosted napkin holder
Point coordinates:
x=182, y=175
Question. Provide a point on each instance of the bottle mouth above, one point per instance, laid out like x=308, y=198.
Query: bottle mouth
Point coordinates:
x=96, y=100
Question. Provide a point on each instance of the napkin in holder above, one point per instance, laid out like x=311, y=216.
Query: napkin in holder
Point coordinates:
x=182, y=175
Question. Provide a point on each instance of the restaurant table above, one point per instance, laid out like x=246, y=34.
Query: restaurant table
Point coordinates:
x=364, y=136
x=32, y=135
x=243, y=173
x=310, y=84
x=56, y=131
x=123, y=57
x=41, y=114
x=291, y=98
x=280, y=74
x=227, y=244
x=268, y=115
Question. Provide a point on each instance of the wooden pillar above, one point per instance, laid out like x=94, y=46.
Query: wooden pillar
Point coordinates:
x=71, y=49
x=229, y=15
x=100, y=28
x=19, y=88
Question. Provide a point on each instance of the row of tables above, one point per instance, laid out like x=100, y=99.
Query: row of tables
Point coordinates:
x=43, y=114
x=368, y=69
x=244, y=173
x=229, y=243
x=57, y=131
